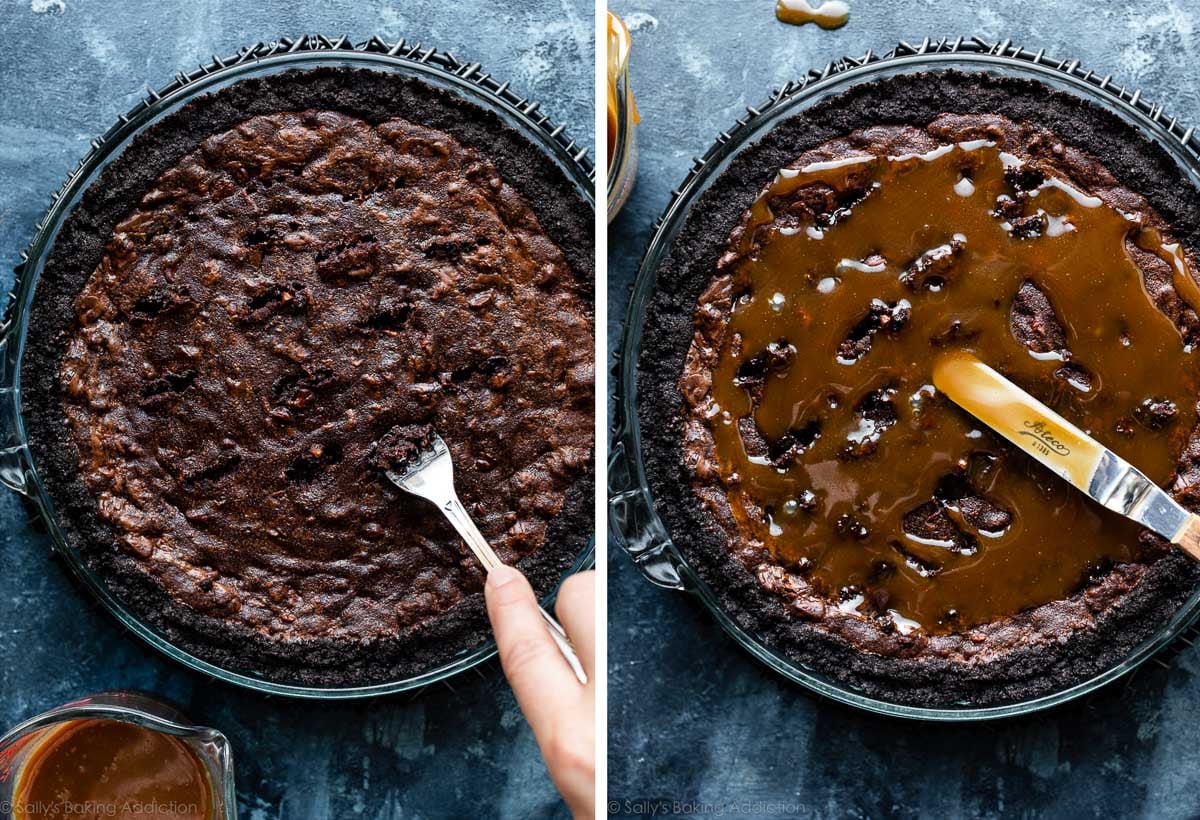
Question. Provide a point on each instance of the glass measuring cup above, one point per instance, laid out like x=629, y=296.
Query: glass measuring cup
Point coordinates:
x=209, y=746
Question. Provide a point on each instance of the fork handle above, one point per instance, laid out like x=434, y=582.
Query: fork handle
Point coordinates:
x=559, y=636
x=457, y=515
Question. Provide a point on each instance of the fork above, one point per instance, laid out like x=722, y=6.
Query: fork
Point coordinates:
x=430, y=475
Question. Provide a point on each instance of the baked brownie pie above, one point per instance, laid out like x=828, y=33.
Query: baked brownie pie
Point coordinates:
x=263, y=298
x=846, y=512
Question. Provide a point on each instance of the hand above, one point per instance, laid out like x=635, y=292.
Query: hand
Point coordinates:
x=559, y=709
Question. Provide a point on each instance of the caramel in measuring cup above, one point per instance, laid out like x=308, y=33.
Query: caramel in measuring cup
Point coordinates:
x=110, y=768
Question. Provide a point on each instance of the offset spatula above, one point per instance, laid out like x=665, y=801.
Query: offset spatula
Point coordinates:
x=1064, y=448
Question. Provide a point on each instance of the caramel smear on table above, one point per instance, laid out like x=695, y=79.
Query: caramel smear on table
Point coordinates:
x=109, y=768
x=830, y=14
x=837, y=452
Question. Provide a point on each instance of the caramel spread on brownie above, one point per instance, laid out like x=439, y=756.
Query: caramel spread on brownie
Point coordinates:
x=853, y=487
x=281, y=299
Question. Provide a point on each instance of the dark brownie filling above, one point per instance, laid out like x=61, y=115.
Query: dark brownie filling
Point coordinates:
x=280, y=300
x=1032, y=652
x=305, y=270
x=402, y=446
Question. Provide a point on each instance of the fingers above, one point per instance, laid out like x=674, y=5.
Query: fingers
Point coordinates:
x=560, y=711
x=576, y=610
x=539, y=676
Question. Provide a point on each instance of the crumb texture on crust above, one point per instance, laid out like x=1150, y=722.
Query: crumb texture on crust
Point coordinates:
x=1033, y=653
x=272, y=279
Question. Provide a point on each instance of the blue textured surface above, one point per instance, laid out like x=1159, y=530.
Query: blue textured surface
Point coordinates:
x=694, y=719
x=69, y=68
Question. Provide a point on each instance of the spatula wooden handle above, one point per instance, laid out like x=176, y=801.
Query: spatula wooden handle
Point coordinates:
x=1188, y=537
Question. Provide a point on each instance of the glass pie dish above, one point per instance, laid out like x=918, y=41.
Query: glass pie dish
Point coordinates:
x=634, y=519
x=440, y=70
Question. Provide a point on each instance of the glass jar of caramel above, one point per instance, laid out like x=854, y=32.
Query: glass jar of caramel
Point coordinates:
x=116, y=755
x=622, y=118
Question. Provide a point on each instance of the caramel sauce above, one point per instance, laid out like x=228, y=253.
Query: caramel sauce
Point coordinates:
x=109, y=768
x=612, y=124
x=828, y=15
x=838, y=454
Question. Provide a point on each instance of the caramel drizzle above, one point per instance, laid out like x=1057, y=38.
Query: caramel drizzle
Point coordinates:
x=933, y=237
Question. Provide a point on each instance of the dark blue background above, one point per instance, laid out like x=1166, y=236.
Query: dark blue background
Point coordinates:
x=691, y=717
x=67, y=69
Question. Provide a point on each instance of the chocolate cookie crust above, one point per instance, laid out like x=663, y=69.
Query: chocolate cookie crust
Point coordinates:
x=1125, y=607
x=374, y=98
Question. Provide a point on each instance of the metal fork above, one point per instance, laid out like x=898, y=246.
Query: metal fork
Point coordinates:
x=431, y=476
